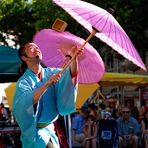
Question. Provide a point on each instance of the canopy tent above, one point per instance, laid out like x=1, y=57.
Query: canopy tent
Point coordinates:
x=84, y=91
x=9, y=64
x=122, y=79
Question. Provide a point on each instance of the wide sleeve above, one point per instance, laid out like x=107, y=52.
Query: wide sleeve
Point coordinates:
x=23, y=109
x=66, y=94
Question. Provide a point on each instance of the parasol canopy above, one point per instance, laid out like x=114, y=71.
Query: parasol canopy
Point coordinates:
x=106, y=26
x=56, y=45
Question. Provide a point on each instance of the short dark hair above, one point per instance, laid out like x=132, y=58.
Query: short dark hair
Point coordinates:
x=85, y=110
x=23, y=65
x=90, y=117
x=21, y=49
x=92, y=106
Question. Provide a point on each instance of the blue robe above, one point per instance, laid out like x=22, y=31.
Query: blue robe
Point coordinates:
x=59, y=98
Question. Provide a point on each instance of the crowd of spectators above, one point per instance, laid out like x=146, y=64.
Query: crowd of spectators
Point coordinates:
x=9, y=130
x=132, y=123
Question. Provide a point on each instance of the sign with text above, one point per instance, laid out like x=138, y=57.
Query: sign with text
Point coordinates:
x=143, y=95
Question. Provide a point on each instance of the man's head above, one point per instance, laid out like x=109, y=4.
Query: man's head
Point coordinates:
x=130, y=103
x=30, y=52
x=84, y=112
x=125, y=113
x=92, y=106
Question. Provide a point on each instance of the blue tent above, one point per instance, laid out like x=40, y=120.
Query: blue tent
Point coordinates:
x=9, y=64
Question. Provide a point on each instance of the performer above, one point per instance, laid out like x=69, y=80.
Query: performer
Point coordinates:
x=41, y=95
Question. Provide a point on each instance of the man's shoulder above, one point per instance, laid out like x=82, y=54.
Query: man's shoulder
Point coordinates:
x=132, y=119
x=78, y=117
x=23, y=78
x=26, y=75
x=119, y=120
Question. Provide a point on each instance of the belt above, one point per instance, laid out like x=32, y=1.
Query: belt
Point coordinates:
x=42, y=125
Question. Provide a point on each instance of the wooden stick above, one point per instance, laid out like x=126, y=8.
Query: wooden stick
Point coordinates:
x=86, y=41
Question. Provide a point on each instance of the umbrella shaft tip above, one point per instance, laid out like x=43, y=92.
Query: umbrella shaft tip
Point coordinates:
x=111, y=10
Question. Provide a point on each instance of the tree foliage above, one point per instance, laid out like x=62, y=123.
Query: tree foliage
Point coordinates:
x=23, y=18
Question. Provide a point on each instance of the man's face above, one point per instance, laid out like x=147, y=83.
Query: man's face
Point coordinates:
x=130, y=103
x=83, y=114
x=125, y=113
x=33, y=51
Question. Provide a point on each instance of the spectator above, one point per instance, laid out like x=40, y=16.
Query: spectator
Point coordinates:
x=128, y=129
x=101, y=109
x=107, y=115
x=1, y=112
x=144, y=126
x=4, y=115
x=93, y=110
x=143, y=109
x=112, y=105
x=77, y=126
x=133, y=109
x=145, y=106
x=90, y=130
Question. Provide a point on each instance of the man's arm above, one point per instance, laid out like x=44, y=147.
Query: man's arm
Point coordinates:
x=41, y=90
x=75, y=51
x=74, y=67
x=73, y=135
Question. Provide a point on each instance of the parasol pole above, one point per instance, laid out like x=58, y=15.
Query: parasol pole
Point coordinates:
x=86, y=41
x=60, y=25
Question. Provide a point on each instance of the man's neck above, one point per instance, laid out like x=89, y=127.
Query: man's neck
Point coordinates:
x=36, y=68
x=126, y=120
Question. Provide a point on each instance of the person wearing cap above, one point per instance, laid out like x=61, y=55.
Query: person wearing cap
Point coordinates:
x=41, y=95
x=107, y=115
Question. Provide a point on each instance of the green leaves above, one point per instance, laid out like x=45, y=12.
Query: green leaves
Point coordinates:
x=23, y=18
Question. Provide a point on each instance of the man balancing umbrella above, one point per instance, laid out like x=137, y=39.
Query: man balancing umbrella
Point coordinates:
x=40, y=96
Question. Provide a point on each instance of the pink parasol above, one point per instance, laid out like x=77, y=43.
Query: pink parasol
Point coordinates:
x=56, y=45
x=107, y=28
